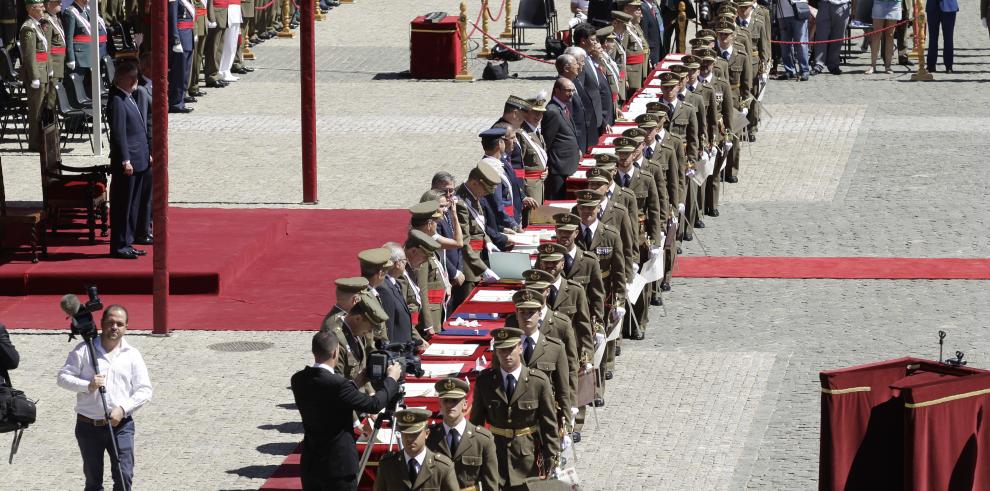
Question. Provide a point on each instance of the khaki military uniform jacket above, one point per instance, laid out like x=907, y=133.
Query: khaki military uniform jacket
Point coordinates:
x=586, y=273
x=436, y=473
x=55, y=35
x=711, y=110
x=644, y=188
x=471, y=232
x=557, y=326
x=740, y=75
x=475, y=461
x=414, y=302
x=699, y=103
x=35, y=64
x=433, y=294
x=199, y=25
x=634, y=46
x=657, y=166
x=550, y=357
x=572, y=301
x=534, y=155
x=349, y=362
x=684, y=123
x=524, y=426
x=606, y=244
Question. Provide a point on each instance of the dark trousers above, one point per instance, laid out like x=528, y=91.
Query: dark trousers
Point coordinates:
x=179, y=65
x=314, y=476
x=947, y=20
x=94, y=441
x=125, y=207
x=554, y=186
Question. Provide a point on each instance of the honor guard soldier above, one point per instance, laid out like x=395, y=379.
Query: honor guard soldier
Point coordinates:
x=534, y=149
x=55, y=34
x=199, y=34
x=470, y=447
x=579, y=266
x=649, y=124
x=216, y=24
x=740, y=78
x=633, y=46
x=471, y=215
x=615, y=65
x=669, y=157
x=574, y=295
x=612, y=212
x=36, y=70
x=539, y=281
x=517, y=403
x=181, y=21
x=79, y=31
x=433, y=293
x=760, y=57
x=346, y=294
x=415, y=466
x=722, y=99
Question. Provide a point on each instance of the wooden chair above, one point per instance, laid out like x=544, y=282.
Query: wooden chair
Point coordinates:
x=19, y=226
x=66, y=187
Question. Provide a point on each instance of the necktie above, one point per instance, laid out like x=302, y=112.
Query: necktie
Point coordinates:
x=455, y=440
x=413, y=470
x=568, y=262
x=552, y=297
x=527, y=350
x=725, y=54
x=648, y=151
x=625, y=180
x=510, y=385
x=587, y=238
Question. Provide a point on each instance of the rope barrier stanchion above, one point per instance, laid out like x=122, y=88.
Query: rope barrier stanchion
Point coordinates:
x=920, y=38
x=524, y=55
x=463, y=75
x=501, y=10
x=681, y=27
x=317, y=12
x=485, y=14
x=286, y=33
x=507, y=33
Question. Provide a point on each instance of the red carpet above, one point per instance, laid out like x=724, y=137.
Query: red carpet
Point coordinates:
x=840, y=268
x=265, y=280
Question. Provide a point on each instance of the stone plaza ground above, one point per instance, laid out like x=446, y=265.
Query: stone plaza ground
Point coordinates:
x=723, y=394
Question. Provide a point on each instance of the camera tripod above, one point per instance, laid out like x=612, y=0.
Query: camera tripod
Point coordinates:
x=389, y=415
x=88, y=339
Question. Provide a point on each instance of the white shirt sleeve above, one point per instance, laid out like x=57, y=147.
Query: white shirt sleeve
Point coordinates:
x=69, y=375
x=140, y=386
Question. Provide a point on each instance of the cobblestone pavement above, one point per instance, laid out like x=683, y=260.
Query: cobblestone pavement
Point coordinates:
x=849, y=165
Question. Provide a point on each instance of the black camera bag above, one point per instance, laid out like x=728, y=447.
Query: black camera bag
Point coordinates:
x=496, y=70
x=16, y=411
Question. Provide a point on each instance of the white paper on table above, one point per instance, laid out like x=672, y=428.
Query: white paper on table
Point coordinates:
x=619, y=128
x=493, y=295
x=633, y=112
x=598, y=150
x=524, y=239
x=420, y=389
x=654, y=83
x=652, y=270
x=588, y=163
x=580, y=174
x=459, y=322
x=567, y=205
x=652, y=91
x=384, y=437
x=452, y=350
x=634, y=289
x=440, y=370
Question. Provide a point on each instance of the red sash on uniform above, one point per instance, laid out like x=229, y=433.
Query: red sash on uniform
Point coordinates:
x=635, y=59
x=85, y=38
x=200, y=12
x=510, y=210
x=233, y=2
x=477, y=245
x=415, y=317
x=186, y=24
x=41, y=56
x=435, y=296
x=58, y=50
x=529, y=174
x=220, y=4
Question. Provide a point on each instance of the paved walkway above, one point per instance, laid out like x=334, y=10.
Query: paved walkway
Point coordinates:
x=723, y=394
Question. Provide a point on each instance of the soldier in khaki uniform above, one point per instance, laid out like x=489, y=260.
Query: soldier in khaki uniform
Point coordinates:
x=470, y=447
x=216, y=24
x=579, y=298
x=613, y=211
x=634, y=48
x=579, y=266
x=692, y=217
x=36, y=69
x=721, y=99
x=481, y=182
x=352, y=330
x=433, y=293
x=199, y=32
x=760, y=57
x=517, y=402
x=415, y=467
x=374, y=265
x=614, y=62
x=345, y=296
x=740, y=77
x=534, y=150
x=247, y=26
x=55, y=35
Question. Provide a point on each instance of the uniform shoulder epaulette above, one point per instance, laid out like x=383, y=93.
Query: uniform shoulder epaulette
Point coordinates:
x=574, y=284
x=675, y=137
x=619, y=206
x=627, y=192
x=688, y=104
x=610, y=228
x=561, y=317
x=481, y=430
x=555, y=341
x=442, y=460
x=538, y=374
x=646, y=173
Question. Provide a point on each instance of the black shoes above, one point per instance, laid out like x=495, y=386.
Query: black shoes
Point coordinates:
x=638, y=336
x=732, y=179
x=699, y=224
x=835, y=71
x=217, y=84
x=145, y=240
x=197, y=93
x=129, y=254
x=752, y=136
x=180, y=110
x=190, y=99
x=904, y=60
x=688, y=237
x=618, y=350
x=656, y=301
x=712, y=212
x=665, y=287
x=138, y=252
x=803, y=78
x=608, y=375
x=599, y=401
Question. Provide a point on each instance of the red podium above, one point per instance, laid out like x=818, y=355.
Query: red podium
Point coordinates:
x=908, y=424
x=434, y=48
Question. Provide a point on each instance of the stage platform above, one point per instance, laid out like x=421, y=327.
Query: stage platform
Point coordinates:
x=232, y=269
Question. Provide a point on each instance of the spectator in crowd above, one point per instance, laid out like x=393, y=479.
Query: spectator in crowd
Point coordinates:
x=830, y=23
x=563, y=152
x=594, y=75
x=584, y=126
x=886, y=13
x=941, y=13
x=793, y=29
x=652, y=25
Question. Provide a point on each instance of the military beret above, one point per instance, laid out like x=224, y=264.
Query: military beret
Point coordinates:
x=625, y=144
x=412, y=420
x=452, y=388
x=419, y=239
x=370, y=307
x=647, y=120
x=528, y=299
x=660, y=108
x=355, y=284
x=487, y=174
x=537, y=279
x=668, y=79
x=679, y=69
x=706, y=54
x=635, y=133
x=425, y=210
x=706, y=34
x=725, y=27
x=606, y=160
x=518, y=102
x=691, y=61
x=506, y=337
x=551, y=251
x=588, y=197
x=567, y=221
x=378, y=256
x=492, y=133
x=605, y=31
x=621, y=16
x=600, y=175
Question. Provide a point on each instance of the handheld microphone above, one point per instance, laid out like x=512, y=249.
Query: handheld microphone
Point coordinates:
x=70, y=304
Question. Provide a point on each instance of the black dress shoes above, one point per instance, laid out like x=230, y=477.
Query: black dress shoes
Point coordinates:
x=124, y=255
x=576, y=437
x=190, y=99
x=688, y=237
x=138, y=252
x=656, y=301
x=217, y=84
x=713, y=212
x=239, y=70
x=732, y=179
x=608, y=375
x=145, y=240
x=180, y=110
x=197, y=93
x=699, y=224
x=618, y=350
x=752, y=137
x=599, y=401
x=638, y=336
x=664, y=286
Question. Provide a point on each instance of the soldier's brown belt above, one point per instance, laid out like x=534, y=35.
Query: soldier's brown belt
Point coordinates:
x=470, y=488
x=510, y=433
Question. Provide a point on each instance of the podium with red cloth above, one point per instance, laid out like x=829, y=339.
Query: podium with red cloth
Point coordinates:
x=906, y=423
x=434, y=48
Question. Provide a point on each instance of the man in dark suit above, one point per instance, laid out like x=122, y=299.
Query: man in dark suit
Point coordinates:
x=327, y=402
x=586, y=82
x=9, y=358
x=652, y=26
x=399, y=324
x=130, y=160
x=563, y=153
x=584, y=36
x=585, y=126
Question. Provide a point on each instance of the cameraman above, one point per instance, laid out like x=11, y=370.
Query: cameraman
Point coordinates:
x=326, y=402
x=9, y=358
x=128, y=390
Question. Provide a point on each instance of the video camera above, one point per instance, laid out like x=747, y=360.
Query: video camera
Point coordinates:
x=82, y=313
x=403, y=353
